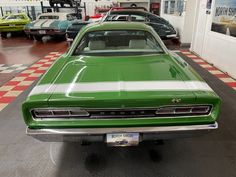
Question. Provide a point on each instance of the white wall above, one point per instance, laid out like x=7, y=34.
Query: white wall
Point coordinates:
x=184, y=23
x=218, y=49
x=90, y=4
x=176, y=21
x=189, y=16
x=22, y=3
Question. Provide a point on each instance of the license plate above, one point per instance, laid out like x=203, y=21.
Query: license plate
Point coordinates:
x=12, y=25
x=122, y=139
x=42, y=32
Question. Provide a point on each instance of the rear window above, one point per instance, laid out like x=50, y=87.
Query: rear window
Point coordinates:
x=118, y=42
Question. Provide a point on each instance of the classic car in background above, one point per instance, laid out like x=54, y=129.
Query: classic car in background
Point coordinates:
x=163, y=28
x=13, y=23
x=61, y=2
x=50, y=24
x=74, y=29
x=118, y=83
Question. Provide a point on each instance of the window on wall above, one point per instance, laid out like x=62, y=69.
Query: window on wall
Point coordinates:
x=174, y=7
x=166, y=4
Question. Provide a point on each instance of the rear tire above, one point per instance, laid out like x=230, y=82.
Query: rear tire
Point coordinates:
x=60, y=38
x=71, y=3
x=51, y=3
x=38, y=38
x=4, y=35
x=30, y=36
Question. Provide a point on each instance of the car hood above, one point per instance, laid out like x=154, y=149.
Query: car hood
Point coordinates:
x=120, y=81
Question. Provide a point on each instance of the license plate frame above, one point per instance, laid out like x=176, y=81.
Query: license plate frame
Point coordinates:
x=122, y=139
x=42, y=32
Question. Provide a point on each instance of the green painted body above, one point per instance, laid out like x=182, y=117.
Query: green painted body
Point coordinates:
x=94, y=69
x=14, y=25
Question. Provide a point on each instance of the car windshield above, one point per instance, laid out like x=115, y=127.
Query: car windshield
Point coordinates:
x=118, y=42
x=49, y=17
x=14, y=17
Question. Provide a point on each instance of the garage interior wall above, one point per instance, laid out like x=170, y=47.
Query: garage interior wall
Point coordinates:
x=140, y=3
x=184, y=22
x=90, y=4
x=218, y=49
x=22, y=2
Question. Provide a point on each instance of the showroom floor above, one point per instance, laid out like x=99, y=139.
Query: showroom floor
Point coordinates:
x=22, y=156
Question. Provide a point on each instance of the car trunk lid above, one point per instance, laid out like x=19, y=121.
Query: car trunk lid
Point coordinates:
x=146, y=81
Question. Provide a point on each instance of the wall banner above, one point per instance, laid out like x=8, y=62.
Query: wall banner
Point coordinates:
x=224, y=17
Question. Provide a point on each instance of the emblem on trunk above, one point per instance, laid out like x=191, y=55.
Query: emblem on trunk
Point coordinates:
x=176, y=100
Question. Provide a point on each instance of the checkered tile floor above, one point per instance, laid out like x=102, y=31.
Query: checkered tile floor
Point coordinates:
x=13, y=88
x=15, y=68
x=224, y=77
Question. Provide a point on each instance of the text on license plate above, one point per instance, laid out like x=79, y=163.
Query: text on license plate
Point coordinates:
x=122, y=139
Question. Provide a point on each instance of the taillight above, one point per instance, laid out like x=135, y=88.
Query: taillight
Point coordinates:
x=58, y=113
x=184, y=110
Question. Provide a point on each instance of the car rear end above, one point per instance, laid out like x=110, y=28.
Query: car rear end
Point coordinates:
x=71, y=121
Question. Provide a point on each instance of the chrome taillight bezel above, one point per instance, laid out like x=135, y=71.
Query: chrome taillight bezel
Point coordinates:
x=76, y=113
x=189, y=110
x=58, y=113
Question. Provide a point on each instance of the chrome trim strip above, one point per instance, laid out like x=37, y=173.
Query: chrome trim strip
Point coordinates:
x=101, y=131
x=171, y=35
x=128, y=86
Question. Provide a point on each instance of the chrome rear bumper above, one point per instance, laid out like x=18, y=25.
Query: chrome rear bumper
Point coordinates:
x=99, y=134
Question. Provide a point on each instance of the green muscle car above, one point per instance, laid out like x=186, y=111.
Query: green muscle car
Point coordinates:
x=50, y=24
x=13, y=23
x=118, y=83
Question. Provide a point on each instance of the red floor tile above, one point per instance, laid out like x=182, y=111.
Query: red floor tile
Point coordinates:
x=2, y=93
x=202, y=63
x=7, y=99
x=40, y=71
x=40, y=62
x=221, y=75
x=12, y=83
x=23, y=75
x=46, y=65
x=32, y=68
x=31, y=79
x=211, y=68
x=231, y=84
x=20, y=88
